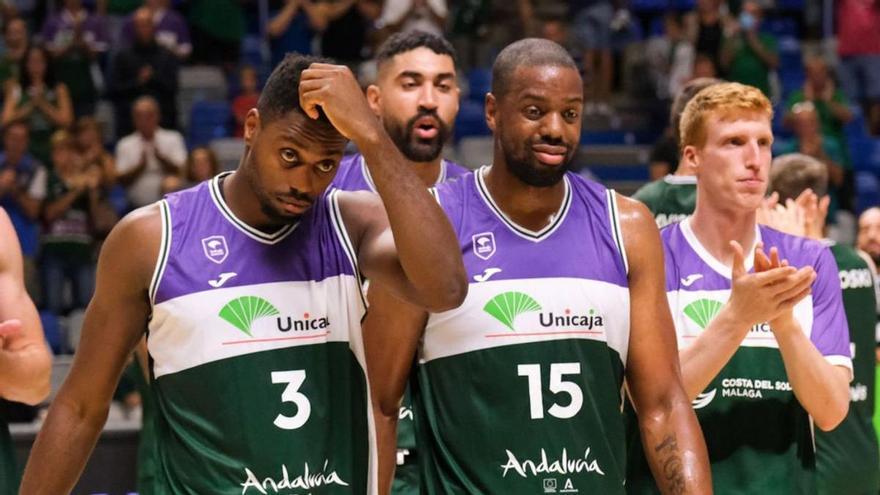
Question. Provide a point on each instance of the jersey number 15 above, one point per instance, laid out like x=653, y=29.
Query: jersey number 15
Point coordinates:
x=557, y=385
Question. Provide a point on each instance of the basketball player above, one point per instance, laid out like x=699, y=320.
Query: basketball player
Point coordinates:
x=520, y=389
x=674, y=197
x=25, y=360
x=416, y=98
x=763, y=342
x=248, y=285
x=847, y=457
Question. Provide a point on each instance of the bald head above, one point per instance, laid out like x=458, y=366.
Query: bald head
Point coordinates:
x=529, y=52
x=869, y=233
x=142, y=22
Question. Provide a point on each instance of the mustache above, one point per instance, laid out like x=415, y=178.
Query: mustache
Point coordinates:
x=297, y=195
x=425, y=112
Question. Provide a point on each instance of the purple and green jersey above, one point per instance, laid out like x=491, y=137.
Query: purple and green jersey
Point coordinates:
x=519, y=390
x=257, y=360
x=759, y=438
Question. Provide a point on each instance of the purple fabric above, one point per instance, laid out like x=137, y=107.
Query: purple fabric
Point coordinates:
x=172, y=31
x=581, y=247
x=830, y=333
x=58, y=31
x=350, y=175
x=312, y=252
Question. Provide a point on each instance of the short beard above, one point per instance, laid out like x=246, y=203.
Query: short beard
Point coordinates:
x=275, y=215
x=413, y=148
x=532, y=173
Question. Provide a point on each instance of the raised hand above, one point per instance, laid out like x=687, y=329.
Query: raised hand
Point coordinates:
x=334, y=89
x=9, y=329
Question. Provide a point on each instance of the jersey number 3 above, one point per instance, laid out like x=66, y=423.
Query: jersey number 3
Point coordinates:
x=557, y=385
x=294, y=380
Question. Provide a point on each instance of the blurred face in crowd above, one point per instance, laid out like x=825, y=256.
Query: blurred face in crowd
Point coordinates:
x=72, y=5
x=817, y=73
x=806, y=122
x=289, y=161
x=869, y=233
x=416, y=95
x=537, y=122
x=708, y=5
x=754, y=10
x=554, y=30
x=16, y=34
x=36, y=64
x=88, y=137
x=64, y=158
x=734, y=162
x=146, y=118
x=15, y=140
x=156, y=4
x=704, y=67
x=201, y=165
x=249, y=80
x=143, y=25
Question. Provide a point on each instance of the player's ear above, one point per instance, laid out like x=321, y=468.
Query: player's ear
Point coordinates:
x=491, y=108
x=374, y=98
x=251, y=126
x=690, y=158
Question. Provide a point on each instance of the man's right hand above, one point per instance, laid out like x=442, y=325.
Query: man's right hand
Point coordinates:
x=768, y=293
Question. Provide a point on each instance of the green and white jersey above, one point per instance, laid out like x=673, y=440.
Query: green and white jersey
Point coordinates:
x=519, y=390
x=256, y=354
x=8, y=467
x=759, y=437
x=671, y=199
x=847, y=459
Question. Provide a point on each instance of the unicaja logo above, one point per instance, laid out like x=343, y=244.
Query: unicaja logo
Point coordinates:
x=702, y=311
x=243, y=311
x=505, y=307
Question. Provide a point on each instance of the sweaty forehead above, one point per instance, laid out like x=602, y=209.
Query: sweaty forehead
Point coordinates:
x=420, y=60
x=546, y=81
x=304, y=133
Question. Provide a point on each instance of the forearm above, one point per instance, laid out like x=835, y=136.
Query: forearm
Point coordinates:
x=168, y=166
x=55, y=209
x=819, y=386
x=278, y=24
x=29, y=205
x=25, y=373
x=711, y=350
x=127, y=178
x=62, y=448
x=841, y=112
x=675, y=448
x=426, y=244
x=769, y=58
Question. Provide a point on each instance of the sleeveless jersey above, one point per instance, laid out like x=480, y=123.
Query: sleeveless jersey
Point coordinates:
x=758, y=436
x=519, y=389
x=670, y=199
x=353, y=174
x=256, y=353
x=847, y=459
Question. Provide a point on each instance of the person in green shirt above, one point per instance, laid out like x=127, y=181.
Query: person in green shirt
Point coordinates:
x=15, y=43
x=674, y=197
x=747, y=55
x=847, y=458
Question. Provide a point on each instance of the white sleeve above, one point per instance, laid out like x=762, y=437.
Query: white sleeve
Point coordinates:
x=127, y=155
x=175, y=149
x=37, y=187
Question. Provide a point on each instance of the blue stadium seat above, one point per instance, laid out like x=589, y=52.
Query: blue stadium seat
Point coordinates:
x=613, y=173
x=780, y=27
x=856, y=128
x=479, y=83
x=52, y=331
x=867, y=191
x=208, y=120
x=471, y=120
x=649, y=5
x=684, y=5
x=865, y=153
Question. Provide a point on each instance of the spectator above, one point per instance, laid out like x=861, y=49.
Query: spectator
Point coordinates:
x=75, y=38
x=671, y=58
x=809, y=140
x=38, y=99
x=829, y=102
x=171, y=29
x=74, y=216
x=868, y=239
x=90, y=146
x=246, y=99
x=292, y=28
x=749, y=55
x=20, y=173
x=591, y=29
x=201, y=165
x=349, y=25
x=15, y=44
x=145, y=157
x=704, y=68
x=217, y=29
x=414, y=15
x=144, y=69
x=705, y=27
x=858, y=45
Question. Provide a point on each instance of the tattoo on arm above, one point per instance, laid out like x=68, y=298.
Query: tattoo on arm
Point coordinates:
x=671, y=466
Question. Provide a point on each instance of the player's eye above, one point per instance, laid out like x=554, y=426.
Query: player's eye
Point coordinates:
x=444, y=87
x=325, y=166
x=571, y=114
x=288, y=155
x=532, y=112
x=410, y=84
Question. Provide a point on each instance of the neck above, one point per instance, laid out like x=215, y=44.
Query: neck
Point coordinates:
x=428, y=172
x=714, y=226
x=528, y=206
x=684, y=170
x=241, y=200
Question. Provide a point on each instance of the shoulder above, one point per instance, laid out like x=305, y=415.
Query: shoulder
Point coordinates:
x=455, y=170
x=135, y=240
x=169, y=135
x=127, y=141
x=800, y=251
